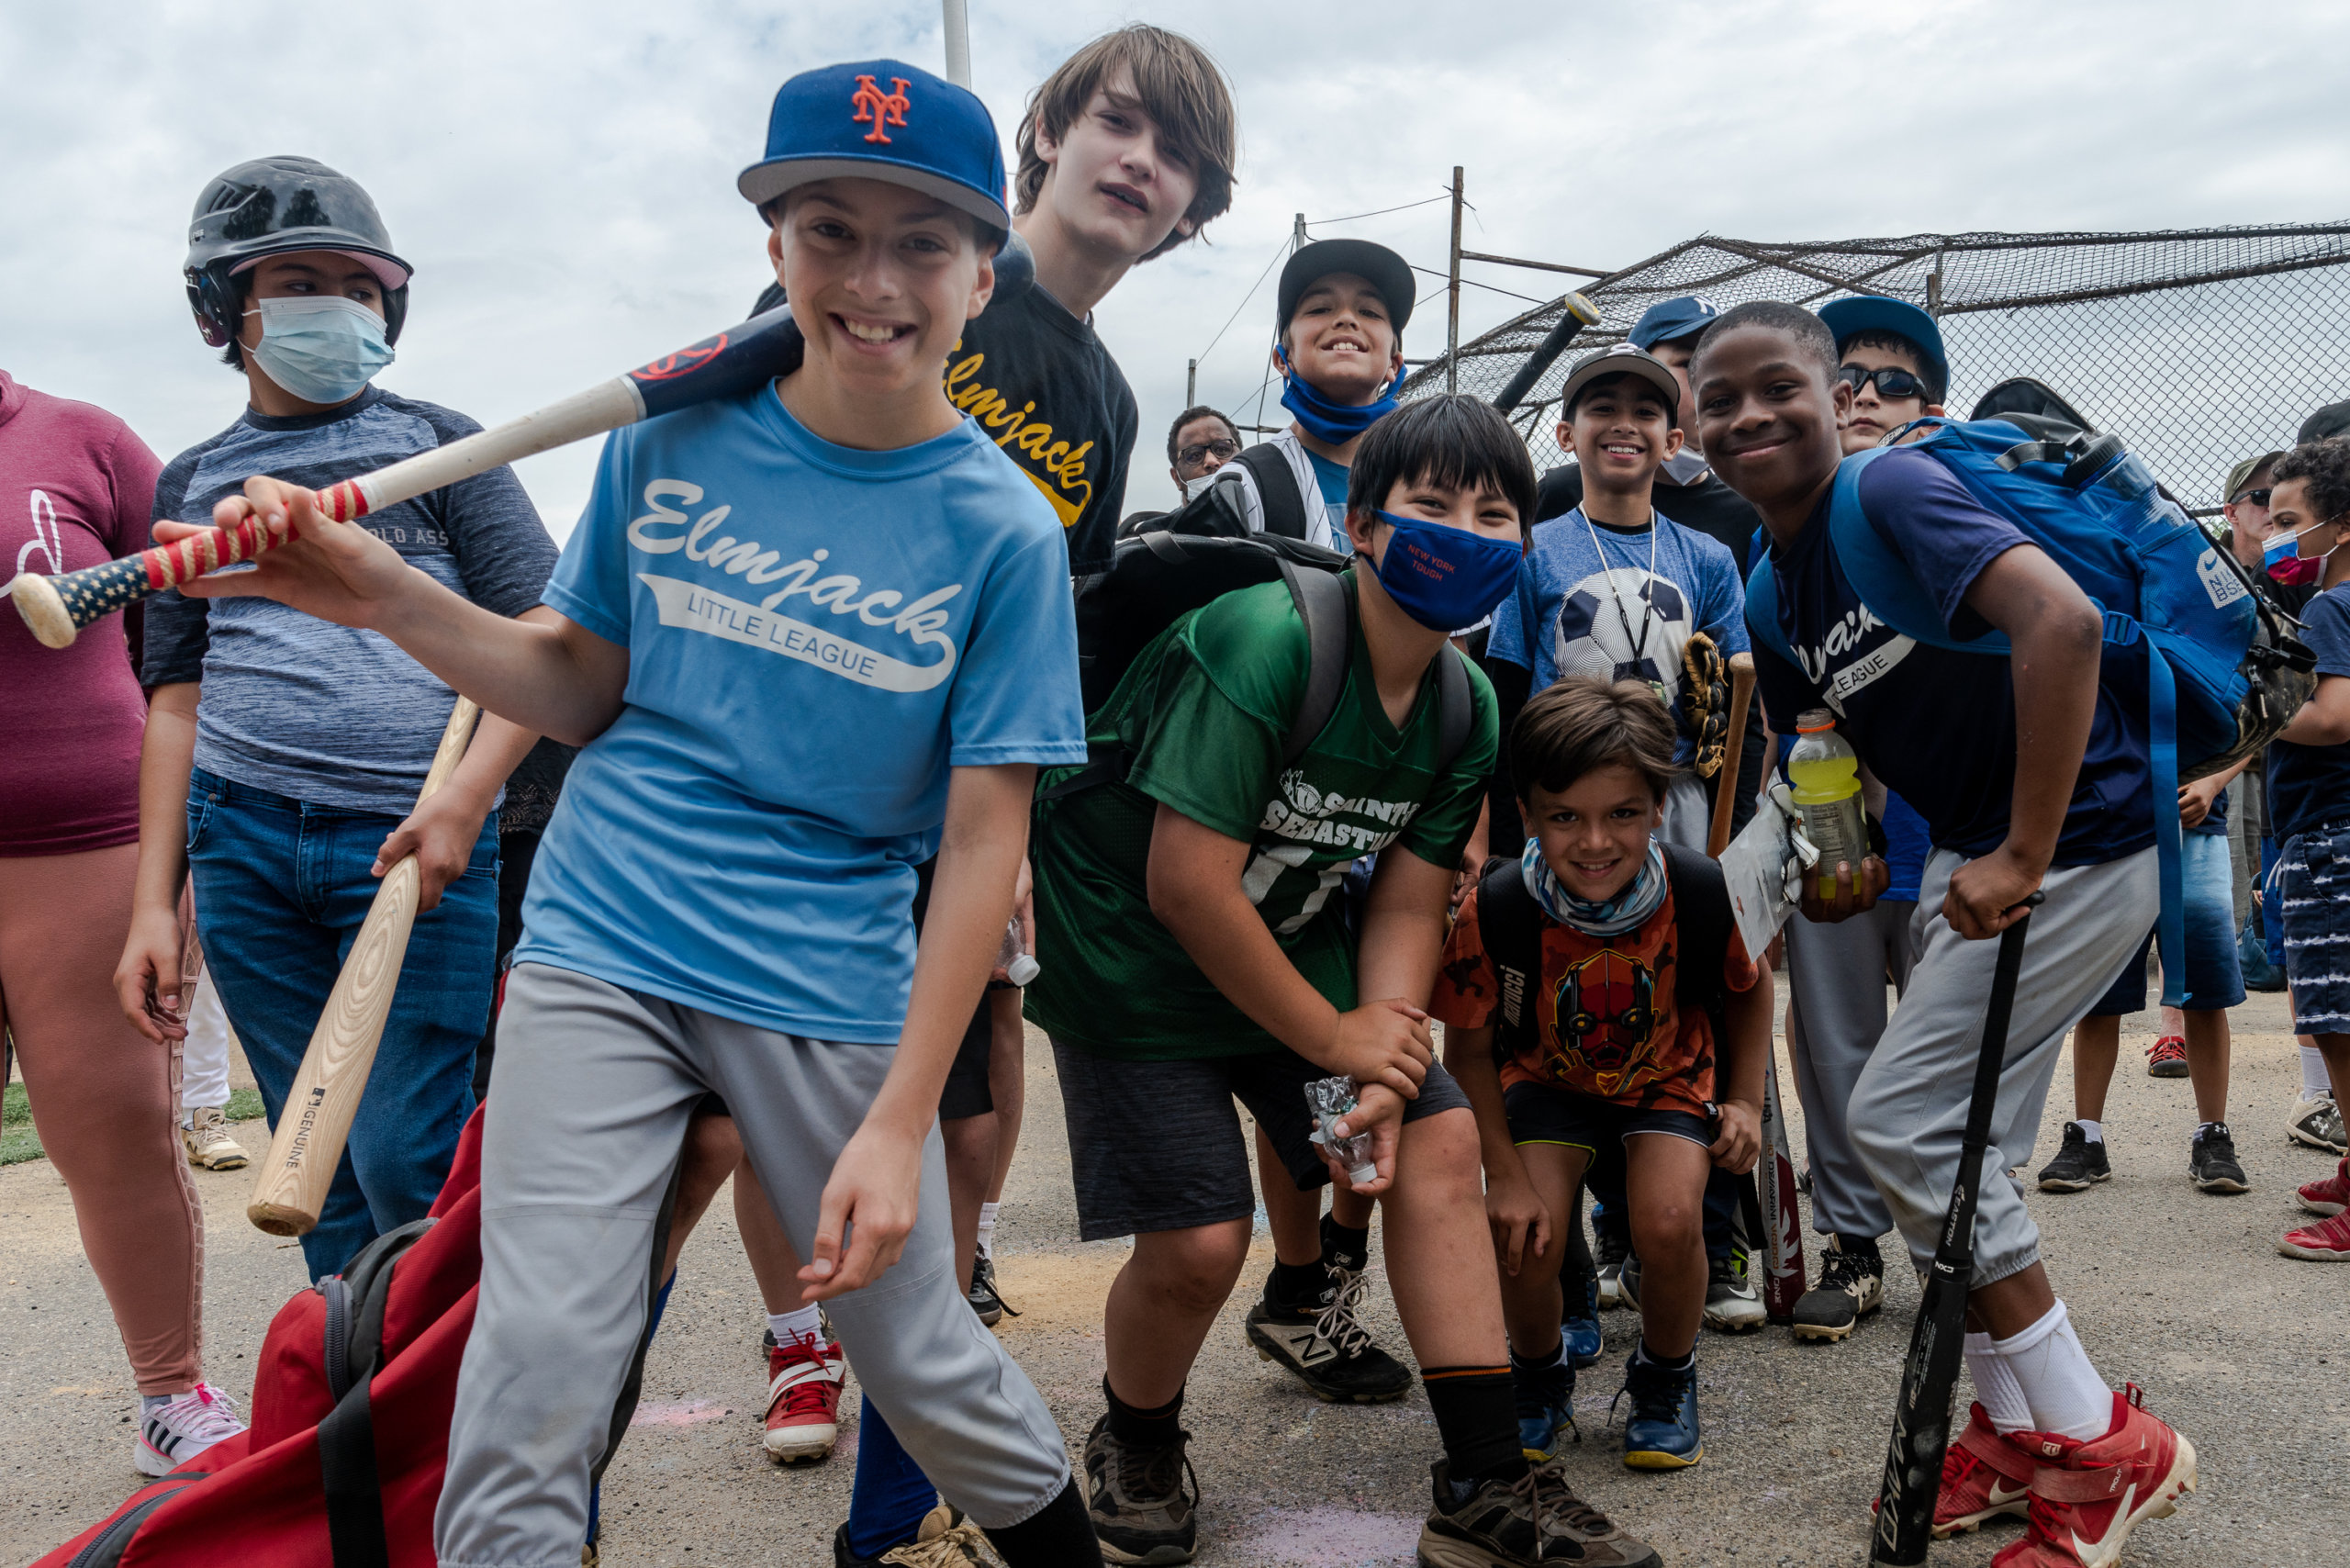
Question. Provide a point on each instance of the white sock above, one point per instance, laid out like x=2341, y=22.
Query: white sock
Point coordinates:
x=1995, y=1386
x=788, y=1325
x=2316, y=1082
x=2093, y=1131
x=2063, y=1389
x=149, y=1402
x=987, y=1229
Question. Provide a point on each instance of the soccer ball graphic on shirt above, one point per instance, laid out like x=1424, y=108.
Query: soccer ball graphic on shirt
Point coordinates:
x=1591, y=639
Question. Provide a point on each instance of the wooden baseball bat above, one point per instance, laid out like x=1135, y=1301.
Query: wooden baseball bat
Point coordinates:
x=732, y=362
x=1741, y=697
x=315, y=1122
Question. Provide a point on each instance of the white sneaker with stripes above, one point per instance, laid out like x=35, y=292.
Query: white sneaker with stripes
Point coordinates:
x=177, y=1430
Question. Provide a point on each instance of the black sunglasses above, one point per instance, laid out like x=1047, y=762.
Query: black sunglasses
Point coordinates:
x=1222, y=451
x=2258, y=497
x=1890, y=383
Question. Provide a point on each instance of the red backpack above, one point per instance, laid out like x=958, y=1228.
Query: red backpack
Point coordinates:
x=341, y=1467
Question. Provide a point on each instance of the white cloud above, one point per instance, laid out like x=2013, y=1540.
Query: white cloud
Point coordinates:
x=561, y=174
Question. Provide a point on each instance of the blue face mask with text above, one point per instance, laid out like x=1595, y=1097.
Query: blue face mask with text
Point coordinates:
x=1446, y=579
x=1337, y=424
x=320, y=350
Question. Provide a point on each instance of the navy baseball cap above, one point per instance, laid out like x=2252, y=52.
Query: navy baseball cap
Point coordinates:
x=1874, y=313
x=1669, y=321
x=882, y=120
x=1373, y=263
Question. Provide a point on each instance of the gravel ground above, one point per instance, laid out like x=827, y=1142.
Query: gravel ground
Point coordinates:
x=2179, y=1292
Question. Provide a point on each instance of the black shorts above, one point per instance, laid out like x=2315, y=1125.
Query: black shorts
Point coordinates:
x=1156, y=1145
x=967, y=1092
x=1543, y=1113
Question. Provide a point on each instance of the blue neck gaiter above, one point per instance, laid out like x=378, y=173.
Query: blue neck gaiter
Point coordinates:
x=1337, y=424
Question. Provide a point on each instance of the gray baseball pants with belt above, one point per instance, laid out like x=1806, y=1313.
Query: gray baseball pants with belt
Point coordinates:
x=594, y=1087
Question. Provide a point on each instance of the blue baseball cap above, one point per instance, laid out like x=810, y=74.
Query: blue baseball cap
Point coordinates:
x=1669, y=321
x=1876, y=313
x=882, y=120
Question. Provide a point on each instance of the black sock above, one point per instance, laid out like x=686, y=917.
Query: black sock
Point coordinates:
x=1299, y=1286
x=1476, y=1414
x=1056, y=1535
x=1542, y=1371
x=1344, y=1246
x=1144, y=1428
x=1670, y=1364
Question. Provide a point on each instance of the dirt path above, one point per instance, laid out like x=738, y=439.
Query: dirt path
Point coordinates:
x=2180, y=1292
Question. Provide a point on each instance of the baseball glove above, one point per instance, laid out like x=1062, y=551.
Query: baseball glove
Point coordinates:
x=1704, y=701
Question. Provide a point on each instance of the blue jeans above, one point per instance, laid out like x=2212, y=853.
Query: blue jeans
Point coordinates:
x=284, y=887
x=2214, y=979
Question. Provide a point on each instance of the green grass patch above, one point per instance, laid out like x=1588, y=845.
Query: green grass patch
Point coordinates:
x=19, y=1143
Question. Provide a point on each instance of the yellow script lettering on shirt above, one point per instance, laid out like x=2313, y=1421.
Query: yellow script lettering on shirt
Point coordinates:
x=1053, y=466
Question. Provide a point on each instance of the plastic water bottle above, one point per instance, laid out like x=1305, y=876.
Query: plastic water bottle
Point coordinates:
x=1332, y=1101
x=1016, y=964
x=1826, y=773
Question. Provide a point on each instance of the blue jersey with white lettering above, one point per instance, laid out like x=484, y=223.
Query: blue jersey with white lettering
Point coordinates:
x=816, y=634
x=1939, y=727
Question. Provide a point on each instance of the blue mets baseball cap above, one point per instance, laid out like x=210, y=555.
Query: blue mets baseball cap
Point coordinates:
x=1669, y=321
x=882, y=120
x=1874, y=313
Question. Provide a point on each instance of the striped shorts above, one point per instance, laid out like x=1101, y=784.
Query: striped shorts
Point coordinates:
x=2313, y=887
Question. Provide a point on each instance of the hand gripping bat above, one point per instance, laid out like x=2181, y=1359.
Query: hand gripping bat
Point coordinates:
x=732, y=362
x=315, y=1122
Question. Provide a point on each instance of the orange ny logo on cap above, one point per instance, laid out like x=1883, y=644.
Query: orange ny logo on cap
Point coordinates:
x=879, y=108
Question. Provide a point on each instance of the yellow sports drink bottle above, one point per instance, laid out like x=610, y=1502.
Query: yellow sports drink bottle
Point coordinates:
x=1826, y=774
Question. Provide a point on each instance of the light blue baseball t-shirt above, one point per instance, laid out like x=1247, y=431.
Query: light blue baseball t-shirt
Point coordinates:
x=816, y=634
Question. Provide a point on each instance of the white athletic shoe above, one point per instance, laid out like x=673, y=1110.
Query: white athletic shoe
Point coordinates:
x=209, y=1147
x=175, y=1432
x=2317, y=1123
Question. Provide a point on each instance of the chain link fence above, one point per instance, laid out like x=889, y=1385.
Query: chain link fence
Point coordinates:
x=2197, y=346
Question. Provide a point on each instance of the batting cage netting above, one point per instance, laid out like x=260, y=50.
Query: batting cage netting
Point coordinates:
x=2197, y=346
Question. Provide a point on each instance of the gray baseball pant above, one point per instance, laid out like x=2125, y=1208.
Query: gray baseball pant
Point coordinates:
x=1908, y=1114
x=1838, y=971
x=594, y=1087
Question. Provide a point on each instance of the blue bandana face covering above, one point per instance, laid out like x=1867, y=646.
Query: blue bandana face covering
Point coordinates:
x=1446, y=577
x=1629, y=910
x=320, y=350
x=1337, y=424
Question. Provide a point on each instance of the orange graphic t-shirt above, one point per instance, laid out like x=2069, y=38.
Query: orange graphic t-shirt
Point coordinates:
x=1606, y=1022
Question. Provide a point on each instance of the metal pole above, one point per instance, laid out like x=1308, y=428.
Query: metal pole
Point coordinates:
x=958, y=41
x=1452, y=309
x=1297, y=235
x=1191, y=386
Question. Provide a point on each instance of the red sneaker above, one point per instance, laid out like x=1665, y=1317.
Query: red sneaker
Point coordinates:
x=2166, y=1057
x=2087, y=1498
x=804, y=1378
x=2331, y=1196
x=2327, y=1241
x=1985, y=1477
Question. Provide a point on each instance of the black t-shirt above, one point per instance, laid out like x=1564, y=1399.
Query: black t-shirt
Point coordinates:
x=1709, y=507
x=1040, y=381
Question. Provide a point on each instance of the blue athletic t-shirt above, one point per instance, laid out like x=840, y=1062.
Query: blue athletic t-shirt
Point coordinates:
x=2309, y=785
x=1581, y=608
x=815, y=635
x=1330, y=479
x=1938, y=727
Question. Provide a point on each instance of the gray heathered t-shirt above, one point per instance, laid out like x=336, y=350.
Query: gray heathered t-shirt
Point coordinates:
x=301, y=707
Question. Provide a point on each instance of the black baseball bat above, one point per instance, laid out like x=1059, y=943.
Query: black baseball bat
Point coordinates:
x=1913, y=1460
x=1579, y=313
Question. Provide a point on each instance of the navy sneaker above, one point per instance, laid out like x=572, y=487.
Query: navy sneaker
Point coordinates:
x=1546, y=1409
x=1580, y=1330
x=1661, y=1433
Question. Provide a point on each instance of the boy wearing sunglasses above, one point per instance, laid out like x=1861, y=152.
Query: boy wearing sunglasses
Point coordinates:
x=1890, y=353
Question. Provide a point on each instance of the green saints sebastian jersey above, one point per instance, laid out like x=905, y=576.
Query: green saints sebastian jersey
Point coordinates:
x=1204, y=713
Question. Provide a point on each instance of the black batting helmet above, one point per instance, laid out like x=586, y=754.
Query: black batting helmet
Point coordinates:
x=269, y=206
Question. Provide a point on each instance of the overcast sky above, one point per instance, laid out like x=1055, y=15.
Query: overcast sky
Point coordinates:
x=561, y=174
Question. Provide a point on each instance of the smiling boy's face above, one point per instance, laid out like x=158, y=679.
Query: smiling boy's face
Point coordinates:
x=1767, y=416
x=1114, y=185
x=1595, y=832
x=881, y=279
x=1622, y=433
x=1342, y=340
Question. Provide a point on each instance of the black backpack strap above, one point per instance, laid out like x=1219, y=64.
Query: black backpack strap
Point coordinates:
x=1322, y=605
x=1455, y=705
x=1703, y=916
x=1283, y=507
x=1509, y=923
x=354, y=1349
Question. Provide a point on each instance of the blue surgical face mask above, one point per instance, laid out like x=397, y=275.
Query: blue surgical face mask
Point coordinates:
x=1337, y=424
x=1445, y=578
x=320, y=350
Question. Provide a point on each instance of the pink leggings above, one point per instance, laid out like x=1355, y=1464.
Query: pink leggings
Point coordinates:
x=102, y=1100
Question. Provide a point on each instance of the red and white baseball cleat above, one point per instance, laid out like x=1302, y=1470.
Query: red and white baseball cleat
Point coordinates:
x=1985, y=1477
x=804, y=1377
x=2327, y=1241
x=2331, y=1196
x=2087, y=1498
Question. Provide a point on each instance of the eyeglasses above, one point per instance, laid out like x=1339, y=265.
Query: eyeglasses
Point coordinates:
x=1222, y=451
x=1890, y=383
x=2258, y=497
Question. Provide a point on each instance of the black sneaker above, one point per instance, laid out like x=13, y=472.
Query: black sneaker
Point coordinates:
x=1137, y=1498
x=1531, y=1522
x=1732, y=1303
x=2078, y=1166
x=1852, y=1285
x=2211, y=1161
x=1326, y=1345
x=1613, y=1251
x=985, y=1299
